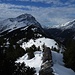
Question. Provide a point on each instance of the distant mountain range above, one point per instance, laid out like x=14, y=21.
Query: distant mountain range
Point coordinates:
x=62, y=33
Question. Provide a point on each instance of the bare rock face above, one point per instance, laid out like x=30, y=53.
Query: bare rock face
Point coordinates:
x=47, y=62
x=47, y=54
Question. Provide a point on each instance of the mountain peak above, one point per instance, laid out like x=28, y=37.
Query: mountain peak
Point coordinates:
x=20, y=21
x=25, y=16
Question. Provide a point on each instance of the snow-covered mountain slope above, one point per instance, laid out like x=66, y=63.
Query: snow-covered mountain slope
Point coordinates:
x=63, y=33
x=36, y=62
x=68, y=25
x=58, y=66
x=18, y=22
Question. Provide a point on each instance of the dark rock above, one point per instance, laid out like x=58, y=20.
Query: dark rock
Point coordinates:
x=47, y=56
x=47, y=62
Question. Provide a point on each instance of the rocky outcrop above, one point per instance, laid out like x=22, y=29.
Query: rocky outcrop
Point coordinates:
x=47, y=54
x=47, y=62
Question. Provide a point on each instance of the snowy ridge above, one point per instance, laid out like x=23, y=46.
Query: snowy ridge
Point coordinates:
x=39, y=42
x=58, y=65
x=18, y=22
x=68, y=25
x=36, y=62
x=54, y=26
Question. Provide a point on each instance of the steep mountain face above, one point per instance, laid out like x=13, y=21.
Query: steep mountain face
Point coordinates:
x=63, y=33
x=68, y=25
x=23, y=26
x=18, y=22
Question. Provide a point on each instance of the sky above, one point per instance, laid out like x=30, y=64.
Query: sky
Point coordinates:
x=46, y=12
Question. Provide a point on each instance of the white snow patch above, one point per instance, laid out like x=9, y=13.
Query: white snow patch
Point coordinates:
x=40, y=42
x=57, y=58
x=34, y=62
x=58, y=67
x=61, y=70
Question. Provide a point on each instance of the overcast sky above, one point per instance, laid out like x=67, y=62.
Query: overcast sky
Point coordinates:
x=47, y=12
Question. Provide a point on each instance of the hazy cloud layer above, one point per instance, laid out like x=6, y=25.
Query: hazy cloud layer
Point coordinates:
x=46, y=16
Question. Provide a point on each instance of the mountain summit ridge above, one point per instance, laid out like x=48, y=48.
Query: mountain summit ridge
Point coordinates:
x=68, y=25
x=20, y=21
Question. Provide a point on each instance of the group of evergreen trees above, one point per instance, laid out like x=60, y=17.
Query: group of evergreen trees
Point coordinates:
x=55, y=49
x=9, y=53
x=69, y=54
x=31, y=51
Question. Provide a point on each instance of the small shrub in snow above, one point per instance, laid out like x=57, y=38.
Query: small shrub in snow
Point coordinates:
x=31, y=51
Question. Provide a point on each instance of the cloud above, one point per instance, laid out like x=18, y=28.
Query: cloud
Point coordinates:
x=53, y=2
x=47, y=1
x=46, y=16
